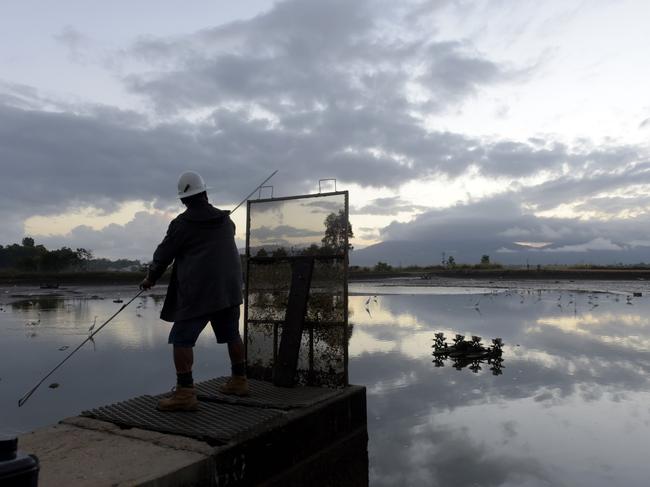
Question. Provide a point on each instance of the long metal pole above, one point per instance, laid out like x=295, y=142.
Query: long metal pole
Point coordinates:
x=251, y=193
x=23, y=399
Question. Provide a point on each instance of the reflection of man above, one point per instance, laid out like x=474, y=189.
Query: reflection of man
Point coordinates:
x=205, y=285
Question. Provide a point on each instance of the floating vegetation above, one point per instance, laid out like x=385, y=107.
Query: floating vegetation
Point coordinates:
x=469, y=354
x=53, y=385
x=64, y=347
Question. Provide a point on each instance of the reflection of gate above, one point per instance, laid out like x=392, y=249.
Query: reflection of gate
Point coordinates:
x=297, y=289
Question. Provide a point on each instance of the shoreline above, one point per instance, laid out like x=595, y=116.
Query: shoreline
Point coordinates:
x=508, y=274
x=426, y=275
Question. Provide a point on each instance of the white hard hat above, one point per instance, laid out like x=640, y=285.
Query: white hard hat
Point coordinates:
x=190, y=183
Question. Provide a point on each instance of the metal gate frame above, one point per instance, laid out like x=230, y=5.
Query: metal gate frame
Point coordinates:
x=310, y=325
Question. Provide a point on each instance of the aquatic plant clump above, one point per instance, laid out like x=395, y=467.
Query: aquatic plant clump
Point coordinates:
x=468, y=353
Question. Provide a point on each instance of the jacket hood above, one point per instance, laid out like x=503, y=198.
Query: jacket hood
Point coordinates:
x=205, y=214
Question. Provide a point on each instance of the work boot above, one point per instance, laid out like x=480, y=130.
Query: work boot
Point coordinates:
x=237, y=385
x=182, y=399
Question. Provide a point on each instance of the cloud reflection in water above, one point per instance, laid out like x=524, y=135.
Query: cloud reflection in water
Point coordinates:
x=569, y=409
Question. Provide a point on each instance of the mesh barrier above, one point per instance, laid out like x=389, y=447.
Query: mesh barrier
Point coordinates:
x=280, y=231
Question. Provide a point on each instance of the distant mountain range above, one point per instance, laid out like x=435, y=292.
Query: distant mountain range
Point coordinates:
x=404, y=253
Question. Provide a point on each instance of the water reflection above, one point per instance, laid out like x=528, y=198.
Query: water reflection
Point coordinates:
x=571, y=409
x=311, y=260
x=318, y=225
x=129, y=357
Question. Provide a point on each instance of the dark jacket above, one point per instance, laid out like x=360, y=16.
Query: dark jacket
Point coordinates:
x=206, y=275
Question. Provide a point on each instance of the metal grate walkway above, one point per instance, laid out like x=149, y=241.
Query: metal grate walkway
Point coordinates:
x=221, y=418
x=266, y=395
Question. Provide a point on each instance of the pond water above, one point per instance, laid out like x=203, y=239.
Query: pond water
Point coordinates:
x=570, y=405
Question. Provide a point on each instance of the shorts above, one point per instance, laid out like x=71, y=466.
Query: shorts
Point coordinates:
x=225, y=324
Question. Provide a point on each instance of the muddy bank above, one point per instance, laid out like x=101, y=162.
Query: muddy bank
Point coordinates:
x=52, y=280
x=15, y=293
x=509, y=274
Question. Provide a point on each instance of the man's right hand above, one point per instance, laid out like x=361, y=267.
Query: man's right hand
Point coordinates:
x=146, y=284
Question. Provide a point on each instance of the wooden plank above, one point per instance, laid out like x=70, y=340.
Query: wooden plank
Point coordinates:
x=284, y=370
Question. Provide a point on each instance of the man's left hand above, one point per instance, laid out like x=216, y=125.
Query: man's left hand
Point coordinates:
x=146, y=284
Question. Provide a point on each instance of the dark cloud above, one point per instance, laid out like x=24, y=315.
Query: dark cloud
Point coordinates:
x=57, y=161
x=496, y=225
x=314, y=89
x=627, y=172
x=502, y=218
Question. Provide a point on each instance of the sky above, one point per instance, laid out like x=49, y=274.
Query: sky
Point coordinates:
x=525, y=123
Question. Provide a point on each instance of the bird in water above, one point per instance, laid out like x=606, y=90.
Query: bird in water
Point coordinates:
x=34, y=323
x=93, y=325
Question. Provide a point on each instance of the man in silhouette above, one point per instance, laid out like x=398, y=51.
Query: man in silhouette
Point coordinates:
x=205, y=285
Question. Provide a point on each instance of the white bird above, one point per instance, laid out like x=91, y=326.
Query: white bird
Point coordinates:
x=35, y=323
x=93, y=325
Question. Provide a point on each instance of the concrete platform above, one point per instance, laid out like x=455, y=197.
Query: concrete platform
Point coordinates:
x=288, y=437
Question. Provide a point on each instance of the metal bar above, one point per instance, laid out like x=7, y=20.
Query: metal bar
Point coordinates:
x=307, y=322
x=345, y=290
x=296, y=197
x=247, y=279
x=271, y=260
x=327, y=179
x=251, y=193
x=259, y=194
x=310, y=373
x=284, y=369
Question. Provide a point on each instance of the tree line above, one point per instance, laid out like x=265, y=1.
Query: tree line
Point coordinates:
x=30, y=257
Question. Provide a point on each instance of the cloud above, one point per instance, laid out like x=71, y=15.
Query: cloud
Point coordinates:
x=391, y=205
x=267, y=234
x=500, y=225
x=598, y=172
x=53, y=161
x=75, y=41
x=137, y=238
x=311, y=88
x=448, y=432
x=599, y=243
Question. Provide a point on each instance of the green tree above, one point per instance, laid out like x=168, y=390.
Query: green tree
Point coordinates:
x=58, y=260
x=383, y=267
x=279, y=252
x=28, y=242
x=451, y=262
x=83, y=258
x=338, y=230
x=313, y=249
x=485, y=259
